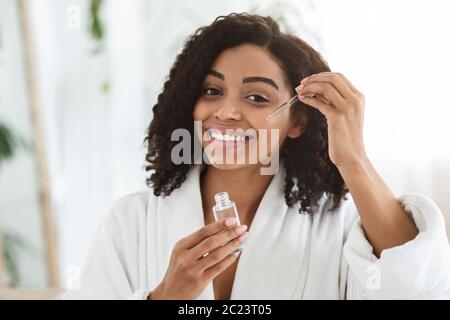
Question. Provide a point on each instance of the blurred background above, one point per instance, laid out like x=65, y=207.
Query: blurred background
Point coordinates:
x=78, y=79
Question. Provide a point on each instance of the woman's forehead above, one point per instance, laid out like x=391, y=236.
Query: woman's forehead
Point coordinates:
x=245, y=61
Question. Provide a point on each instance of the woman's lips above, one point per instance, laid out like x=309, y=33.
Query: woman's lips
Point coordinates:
x=224, y=138
x=230, y=144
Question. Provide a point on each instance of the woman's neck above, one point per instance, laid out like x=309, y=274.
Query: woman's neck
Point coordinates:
x=245, y=186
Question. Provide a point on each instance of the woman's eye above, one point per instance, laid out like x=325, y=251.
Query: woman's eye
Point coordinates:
x=258, y=98
x=254, y=97
x=211, y=91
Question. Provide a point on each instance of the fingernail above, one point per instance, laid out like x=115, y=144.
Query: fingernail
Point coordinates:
x=229, y=222
x=301, y=97
x=243, y=237
x=241, y=229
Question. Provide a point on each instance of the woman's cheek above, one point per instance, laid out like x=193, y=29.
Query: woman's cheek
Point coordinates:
x=198, y=112
x=267, y=141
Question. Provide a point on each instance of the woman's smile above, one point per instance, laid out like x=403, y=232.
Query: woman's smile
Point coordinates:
x=229, y=137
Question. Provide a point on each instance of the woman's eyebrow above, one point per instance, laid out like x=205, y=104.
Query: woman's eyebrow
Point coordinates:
x=269, y=81
x=260, y=79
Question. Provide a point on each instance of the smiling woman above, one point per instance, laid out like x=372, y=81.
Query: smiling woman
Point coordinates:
x=253, y=71
x=304, y=239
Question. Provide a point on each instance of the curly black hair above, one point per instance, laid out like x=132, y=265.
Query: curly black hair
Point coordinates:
x=308, y=168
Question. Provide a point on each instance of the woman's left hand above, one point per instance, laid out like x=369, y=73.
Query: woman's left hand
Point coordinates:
x=343, y=106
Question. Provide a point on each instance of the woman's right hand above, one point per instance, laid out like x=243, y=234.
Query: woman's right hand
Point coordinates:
x=190, y=270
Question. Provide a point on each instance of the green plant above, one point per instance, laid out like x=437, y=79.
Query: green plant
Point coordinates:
x=13, y=244
x=96, y=26
x=9, y=144
x=97, y=32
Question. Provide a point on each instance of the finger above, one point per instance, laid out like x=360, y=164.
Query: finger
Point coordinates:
x=323, y=107
x=320, y=97
x=218, y=255
x=218, y=268
x=205, y=232
x=316, y=95
x=216, y=241
x=349, y=84
x=334, y=79
x=325, y=89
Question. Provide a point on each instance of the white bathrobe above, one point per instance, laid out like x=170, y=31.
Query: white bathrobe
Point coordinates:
x=286, y=256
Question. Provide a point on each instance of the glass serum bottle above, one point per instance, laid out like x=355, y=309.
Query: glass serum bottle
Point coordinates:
x=224, y=209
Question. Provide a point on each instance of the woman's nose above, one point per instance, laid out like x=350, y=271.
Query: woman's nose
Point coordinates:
x=228, y=111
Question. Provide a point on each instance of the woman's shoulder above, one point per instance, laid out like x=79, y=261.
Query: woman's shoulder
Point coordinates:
x=344, y=214
x=129, y=209
x=138, y=199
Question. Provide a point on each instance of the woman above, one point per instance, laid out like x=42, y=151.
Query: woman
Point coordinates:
x=304, y=236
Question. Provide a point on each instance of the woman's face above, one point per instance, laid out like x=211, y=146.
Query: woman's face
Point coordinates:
x=243, y=86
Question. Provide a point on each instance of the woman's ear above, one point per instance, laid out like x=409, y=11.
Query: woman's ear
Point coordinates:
x=298, y=126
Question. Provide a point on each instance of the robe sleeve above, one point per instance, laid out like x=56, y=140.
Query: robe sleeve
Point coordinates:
x=418, y=269
x=108, y=272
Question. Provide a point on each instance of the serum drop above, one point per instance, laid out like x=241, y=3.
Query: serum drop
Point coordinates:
x=224, y=209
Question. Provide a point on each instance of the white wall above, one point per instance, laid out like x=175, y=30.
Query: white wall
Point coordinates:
x=397, y=53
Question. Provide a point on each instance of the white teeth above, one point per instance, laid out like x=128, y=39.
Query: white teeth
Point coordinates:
x=226, y=137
